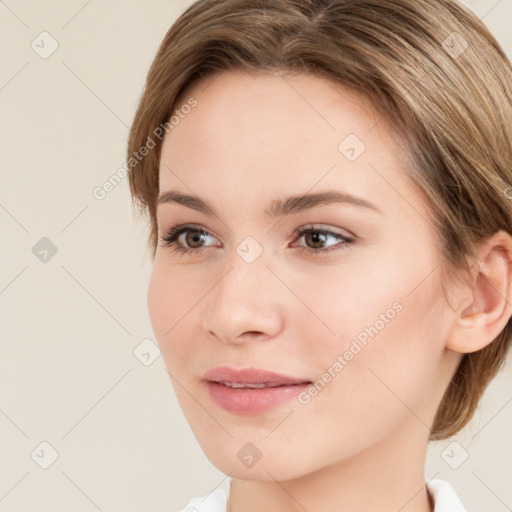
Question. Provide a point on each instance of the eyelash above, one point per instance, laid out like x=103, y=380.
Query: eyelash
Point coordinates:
x=173, y=234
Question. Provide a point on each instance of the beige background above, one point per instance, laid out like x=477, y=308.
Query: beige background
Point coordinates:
x=69, y=326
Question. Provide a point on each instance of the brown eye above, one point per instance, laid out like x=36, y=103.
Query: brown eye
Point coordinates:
x=321, y=240
x=188, y=238
x=194, y=238
x=315, y=239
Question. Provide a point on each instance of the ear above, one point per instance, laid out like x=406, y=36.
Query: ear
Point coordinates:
x=485, y=302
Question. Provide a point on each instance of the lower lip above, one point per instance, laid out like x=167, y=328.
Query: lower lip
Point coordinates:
x=252, y=401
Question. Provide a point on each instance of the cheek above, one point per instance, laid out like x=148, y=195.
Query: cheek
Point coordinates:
x=367, y=390
x=160, y=303
x=393, y=296
x=170, y=302
x=347, y=304
x=386, y=334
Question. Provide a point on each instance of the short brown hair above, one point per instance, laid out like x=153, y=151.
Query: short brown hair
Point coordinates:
x=432, y=69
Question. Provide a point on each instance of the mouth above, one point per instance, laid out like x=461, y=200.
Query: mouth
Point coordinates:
x=242, y=385
x=251, y=391
x=250, y=376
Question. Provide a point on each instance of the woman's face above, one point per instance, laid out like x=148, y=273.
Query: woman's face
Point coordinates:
x=341, y=298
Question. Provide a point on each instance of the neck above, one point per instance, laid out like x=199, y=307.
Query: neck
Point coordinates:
x=387, y=477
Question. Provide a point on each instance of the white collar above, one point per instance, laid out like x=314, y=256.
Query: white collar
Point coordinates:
x=445, y=499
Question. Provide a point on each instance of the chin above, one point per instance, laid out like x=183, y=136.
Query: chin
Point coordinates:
x=234, y=459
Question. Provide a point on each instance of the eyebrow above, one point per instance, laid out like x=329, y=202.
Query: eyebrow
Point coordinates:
x=278, y=207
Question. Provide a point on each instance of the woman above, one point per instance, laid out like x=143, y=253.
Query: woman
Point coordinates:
x=328, y=189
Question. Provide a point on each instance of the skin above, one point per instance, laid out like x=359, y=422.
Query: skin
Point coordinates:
x=360, y=444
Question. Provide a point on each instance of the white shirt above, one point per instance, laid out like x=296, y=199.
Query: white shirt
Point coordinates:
x=445, y=499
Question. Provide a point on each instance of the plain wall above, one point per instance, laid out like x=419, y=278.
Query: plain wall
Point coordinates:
x=69, y=324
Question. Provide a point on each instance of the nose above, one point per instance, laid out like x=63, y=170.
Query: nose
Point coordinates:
x=245, y=303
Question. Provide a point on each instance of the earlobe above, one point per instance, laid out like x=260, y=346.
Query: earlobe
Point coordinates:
x=489, y=295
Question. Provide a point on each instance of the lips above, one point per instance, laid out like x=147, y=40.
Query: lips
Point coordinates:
x=251, y=390
x=225, y=374
x=242, y=385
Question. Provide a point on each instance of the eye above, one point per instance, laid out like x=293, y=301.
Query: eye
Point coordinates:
x=190, y=238
x=187, y=238
x=318, y=240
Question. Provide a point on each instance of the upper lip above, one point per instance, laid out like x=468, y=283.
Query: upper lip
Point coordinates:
x=250, y=376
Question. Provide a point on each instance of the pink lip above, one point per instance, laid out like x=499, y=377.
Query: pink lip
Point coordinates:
x=250, y=376
x=250, y=400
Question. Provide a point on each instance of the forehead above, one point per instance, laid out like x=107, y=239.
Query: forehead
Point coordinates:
x=256, y=132
x=264, y=102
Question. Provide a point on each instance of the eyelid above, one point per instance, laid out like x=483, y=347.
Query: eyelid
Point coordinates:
x=322, y=228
